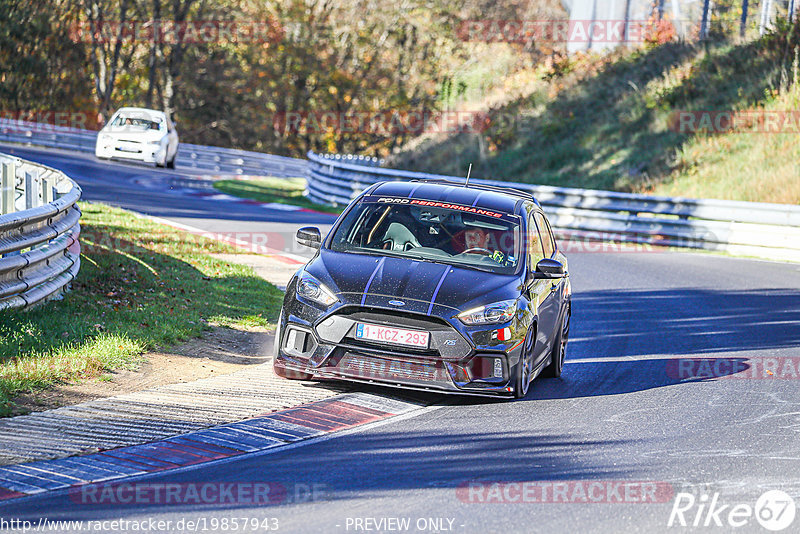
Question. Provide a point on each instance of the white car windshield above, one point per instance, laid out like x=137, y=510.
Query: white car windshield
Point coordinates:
x=431, y=231
x=127, y=121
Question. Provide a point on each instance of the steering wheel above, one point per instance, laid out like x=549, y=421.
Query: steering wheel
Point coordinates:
x=478, y=250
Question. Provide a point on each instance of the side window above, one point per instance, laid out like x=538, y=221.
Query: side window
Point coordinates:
x=547, y=238
x=552, y=236
x=535, y=251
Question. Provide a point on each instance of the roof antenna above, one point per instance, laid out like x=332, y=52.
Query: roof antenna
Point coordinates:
x=469, y=171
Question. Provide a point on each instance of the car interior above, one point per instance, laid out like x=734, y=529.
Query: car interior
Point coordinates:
x=435, y=232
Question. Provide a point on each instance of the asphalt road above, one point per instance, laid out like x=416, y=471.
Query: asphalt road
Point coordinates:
x=149, y=190
x=632, y=406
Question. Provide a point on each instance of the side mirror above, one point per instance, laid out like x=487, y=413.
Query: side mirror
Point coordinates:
x=547, y=268
x=309, y=236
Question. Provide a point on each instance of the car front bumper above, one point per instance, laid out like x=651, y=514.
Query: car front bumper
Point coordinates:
x=452, y=364
x=143, y=152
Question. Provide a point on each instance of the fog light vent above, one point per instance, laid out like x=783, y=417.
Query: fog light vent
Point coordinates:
x=299, y=343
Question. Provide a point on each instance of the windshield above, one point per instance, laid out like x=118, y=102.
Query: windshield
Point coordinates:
x=137, y=122
x=431, y=231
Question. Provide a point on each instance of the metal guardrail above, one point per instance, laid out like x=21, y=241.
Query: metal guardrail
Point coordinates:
x=206, y=158
x=39, y=228
x=762, y=230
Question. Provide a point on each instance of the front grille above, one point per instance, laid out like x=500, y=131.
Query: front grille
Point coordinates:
x=384, y=349
x=446, y=342
x=369, y=368
x=395, y=319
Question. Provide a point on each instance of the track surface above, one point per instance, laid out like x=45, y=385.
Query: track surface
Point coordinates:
x=621, y=412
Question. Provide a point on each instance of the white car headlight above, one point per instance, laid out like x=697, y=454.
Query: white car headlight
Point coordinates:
x=312, y=289
x=496, y=313
x=155, y=142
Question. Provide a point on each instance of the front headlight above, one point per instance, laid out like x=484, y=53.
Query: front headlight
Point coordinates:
x=499, y=312
x=155, y=142
x=312, y=289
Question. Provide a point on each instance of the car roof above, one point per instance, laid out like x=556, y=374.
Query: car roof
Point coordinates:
x=139, y=110
x=478, y=195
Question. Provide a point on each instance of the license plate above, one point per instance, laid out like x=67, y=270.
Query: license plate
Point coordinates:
x=387, y=334
x=128, y=150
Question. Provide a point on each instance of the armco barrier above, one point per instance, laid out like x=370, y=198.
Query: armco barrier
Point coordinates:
x=762, y=230
x=39, y=227
x=206, y=158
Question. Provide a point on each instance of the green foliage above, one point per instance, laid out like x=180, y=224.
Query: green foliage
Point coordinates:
x=40, y=68
x=609, y=122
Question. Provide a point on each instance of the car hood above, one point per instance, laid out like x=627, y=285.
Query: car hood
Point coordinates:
x=423, y=287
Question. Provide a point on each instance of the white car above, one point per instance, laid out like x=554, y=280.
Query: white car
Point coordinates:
x=142, y=134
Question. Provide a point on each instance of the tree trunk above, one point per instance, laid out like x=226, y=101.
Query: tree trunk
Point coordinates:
x=152, y=66
x=706, y=20
x=743, y=21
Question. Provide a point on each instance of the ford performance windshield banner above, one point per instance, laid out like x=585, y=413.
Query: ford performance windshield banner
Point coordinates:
x=423, y=203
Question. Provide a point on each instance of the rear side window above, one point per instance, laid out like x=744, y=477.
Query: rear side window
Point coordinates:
x=547, y=238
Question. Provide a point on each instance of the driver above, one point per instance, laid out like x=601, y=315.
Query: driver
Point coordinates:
x=478, y=238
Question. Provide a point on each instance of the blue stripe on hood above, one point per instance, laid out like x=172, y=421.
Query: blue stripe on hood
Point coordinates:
x=447, y=269
x=371, y=278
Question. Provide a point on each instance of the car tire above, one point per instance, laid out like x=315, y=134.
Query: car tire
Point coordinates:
x=522, y=380
x=171, y=164
x=290, y=374
x=559, y=352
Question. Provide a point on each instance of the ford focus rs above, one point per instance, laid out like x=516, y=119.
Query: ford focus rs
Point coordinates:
x=430, y=285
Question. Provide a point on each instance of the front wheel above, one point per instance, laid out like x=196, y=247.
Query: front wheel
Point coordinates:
x=523, y=376
x=556, y=366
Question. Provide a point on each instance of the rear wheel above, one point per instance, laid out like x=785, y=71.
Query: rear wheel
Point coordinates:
x=559, y=350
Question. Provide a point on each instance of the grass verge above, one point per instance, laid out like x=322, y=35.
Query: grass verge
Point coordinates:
x=278, y=190
x=141, y=285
